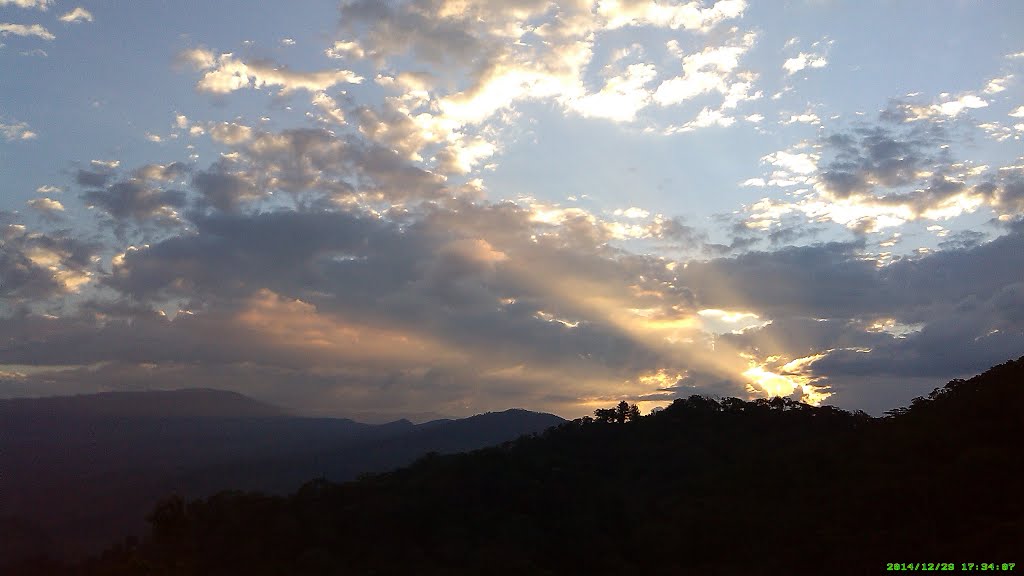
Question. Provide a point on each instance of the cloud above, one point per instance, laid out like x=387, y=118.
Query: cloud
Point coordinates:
x=484, y=301
x=803, y=61
x=689, y=16
x=997, y=85
x=706, y=71
x=798, y=163
x=947, y=106
x=345, y=49
x=354, y=264
x=515, y=299
x=705, y=118
x=8, y=29
x=46, y=207
x=476, y=60
x=136, y=201
x=484, y=318
x=38, y=4
x=38, y=266
x=79, y=14
x=161, y=172
x=878, y=176
x=16, y=131
x=229, y=133
x=100, y=172
x=224, y=190
x=314, y=161
x=621, y=97
x=808, y=117
x=224, y=74
x=843, y=311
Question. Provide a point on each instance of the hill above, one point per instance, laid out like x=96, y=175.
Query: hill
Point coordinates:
x=705, y=486
x=195, y=402
x=79, y=472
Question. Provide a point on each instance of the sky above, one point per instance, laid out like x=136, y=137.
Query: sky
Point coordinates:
x=416, y=208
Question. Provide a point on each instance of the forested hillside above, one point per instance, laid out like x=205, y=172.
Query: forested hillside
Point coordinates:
x=706, y=486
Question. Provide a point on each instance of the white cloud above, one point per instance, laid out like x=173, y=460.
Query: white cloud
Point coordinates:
x=946, y=106
x=23, y=30
x=807, y=117
x=706, y=118
x=1017, y=112
x=332, y=112
x=225, y=74
x=47, y=189
x=346, y=49
x=706, y=71
x=16, y=131
x=955, y=107
x=802, y=61
x=45, y=205
x=229, y=133
x=622, y=96
x=463, y=154
x=689, y=16
x=802, y=164
x=632, y=212
x=997, y=85
x=79, y=14
x=38, y=4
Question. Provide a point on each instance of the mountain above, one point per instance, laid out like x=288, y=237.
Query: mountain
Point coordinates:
x=198, y=403
x=80, y=471
x=706, y=486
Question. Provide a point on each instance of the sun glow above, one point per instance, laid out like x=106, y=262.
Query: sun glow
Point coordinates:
x=788, y=379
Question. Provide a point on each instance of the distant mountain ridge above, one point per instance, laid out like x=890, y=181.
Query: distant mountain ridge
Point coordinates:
x=83, y=469
x=187, y=402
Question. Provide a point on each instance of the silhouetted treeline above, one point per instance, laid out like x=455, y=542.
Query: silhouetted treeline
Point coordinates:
x=705, y=486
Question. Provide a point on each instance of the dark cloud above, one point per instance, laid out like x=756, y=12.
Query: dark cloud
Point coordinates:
x=35, y=266
x=223, y=190
x=314, y=161
x=983, y=331
x=1010, y=195
x=963, y=240
x=430, y=275
x=898, y=321
x=137, y=201
x=473, y=298
x=393, y=30
x=788, y=232
x=881, y=156
x=93, y=178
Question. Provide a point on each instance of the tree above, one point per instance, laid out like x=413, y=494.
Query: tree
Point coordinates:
x=624, y=412
x=633, y=414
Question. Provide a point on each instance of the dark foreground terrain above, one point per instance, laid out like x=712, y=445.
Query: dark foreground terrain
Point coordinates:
x=703, y=487
x=77, y=473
